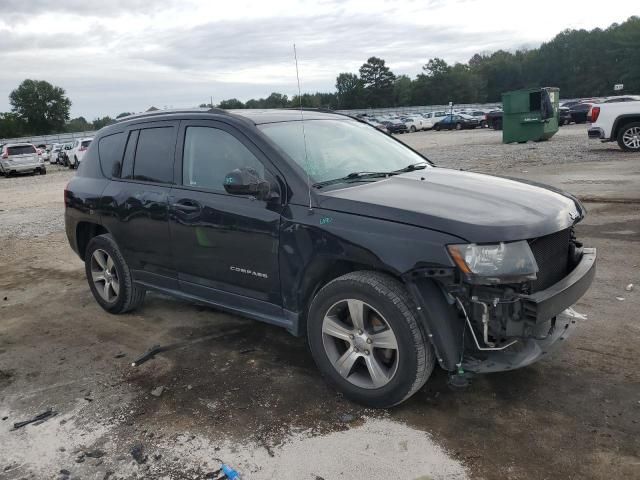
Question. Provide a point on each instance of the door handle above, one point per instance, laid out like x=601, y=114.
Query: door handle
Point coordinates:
x=187, y=206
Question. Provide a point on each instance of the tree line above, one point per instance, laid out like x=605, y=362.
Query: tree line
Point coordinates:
x=581, y=63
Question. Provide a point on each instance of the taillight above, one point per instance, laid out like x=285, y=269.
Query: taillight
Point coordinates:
x=82, y=149
x=595, y=113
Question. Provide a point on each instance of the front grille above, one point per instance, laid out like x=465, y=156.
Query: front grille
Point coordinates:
x=552, y=256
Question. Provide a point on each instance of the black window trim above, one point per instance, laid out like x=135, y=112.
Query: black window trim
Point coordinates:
x=270, y=169
x=137, y=127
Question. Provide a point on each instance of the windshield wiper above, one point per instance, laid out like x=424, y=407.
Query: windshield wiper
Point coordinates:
x=355, y=176
x=412, y=167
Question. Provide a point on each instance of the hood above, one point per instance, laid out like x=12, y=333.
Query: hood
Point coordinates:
x=475, y=207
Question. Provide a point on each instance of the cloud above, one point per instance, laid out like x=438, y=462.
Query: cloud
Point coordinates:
x=124, y=55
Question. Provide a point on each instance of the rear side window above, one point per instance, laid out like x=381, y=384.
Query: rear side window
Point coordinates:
x=110, y=150
x=210, y=154
x=154, y=155
x=86, y=143
x=21, y=150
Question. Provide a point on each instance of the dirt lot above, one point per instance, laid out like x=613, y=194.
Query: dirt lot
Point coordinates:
x=248, y=394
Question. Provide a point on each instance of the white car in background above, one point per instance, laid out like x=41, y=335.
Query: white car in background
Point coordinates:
x=21, y=158
x=415, y=122
x=78, y=150
x=53, y=153
x=431, y=118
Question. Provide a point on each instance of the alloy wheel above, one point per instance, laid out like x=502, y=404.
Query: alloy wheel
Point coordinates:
x=631, y=138
x=105, y=276
x=360, y=344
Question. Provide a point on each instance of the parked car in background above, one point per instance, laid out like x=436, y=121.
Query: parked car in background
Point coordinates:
x=21, y=158
x=376, y=124
x=413, y=123
x=80, y=146
x=494, y=119
x=564, y=116
x=618, y=121
x=53, y=154
x=479, y=115
x=431, y=118
x=393, y=125
x=43, y=151
x=456, y=122
x=64, y=154
x=580, y=111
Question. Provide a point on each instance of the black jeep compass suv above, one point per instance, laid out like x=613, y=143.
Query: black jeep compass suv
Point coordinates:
x=323, y=225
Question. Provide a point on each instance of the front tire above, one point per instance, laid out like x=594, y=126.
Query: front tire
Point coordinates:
x=629, y=137
x=367, y=341
x=109, y=277
x=413, y=129
x=458, y=126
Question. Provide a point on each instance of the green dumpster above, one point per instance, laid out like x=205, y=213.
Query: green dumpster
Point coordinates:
x=530, y=114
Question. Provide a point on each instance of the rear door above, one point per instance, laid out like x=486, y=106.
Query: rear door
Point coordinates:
x=136, y=201
x=223, y=244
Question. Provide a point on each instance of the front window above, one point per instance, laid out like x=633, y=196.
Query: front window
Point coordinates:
x=337, y=148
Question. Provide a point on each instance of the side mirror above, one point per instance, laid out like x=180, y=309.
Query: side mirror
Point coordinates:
x=246, y=181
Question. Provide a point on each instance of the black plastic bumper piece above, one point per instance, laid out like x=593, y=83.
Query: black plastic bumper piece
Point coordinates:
x=541, y=306
x=596, y=133
x=441, y=321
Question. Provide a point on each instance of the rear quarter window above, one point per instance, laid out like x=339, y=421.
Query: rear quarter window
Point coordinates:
x=110, y=151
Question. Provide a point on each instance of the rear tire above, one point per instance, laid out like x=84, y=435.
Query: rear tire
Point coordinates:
x=629, y=137
x=109, y=277
x=413, y=129
x=380, y=360
x=458, y=126
x=437, y=128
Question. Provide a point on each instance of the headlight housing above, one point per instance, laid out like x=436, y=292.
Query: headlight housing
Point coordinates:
x=502, y=262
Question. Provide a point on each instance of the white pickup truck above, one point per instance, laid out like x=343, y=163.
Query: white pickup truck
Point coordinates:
x=616, y=122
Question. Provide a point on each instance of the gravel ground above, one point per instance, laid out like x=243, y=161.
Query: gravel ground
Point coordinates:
x=248, y=393
x=483, y=150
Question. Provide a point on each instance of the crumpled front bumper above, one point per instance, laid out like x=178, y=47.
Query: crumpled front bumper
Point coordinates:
x=526, y=351
x=550, y=310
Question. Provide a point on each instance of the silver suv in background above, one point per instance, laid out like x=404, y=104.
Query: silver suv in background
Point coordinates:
x=21, y=158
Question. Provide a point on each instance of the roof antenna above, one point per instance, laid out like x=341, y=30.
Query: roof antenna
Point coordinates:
x=304, y=133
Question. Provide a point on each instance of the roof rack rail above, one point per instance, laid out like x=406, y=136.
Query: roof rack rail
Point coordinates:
x=170, y=111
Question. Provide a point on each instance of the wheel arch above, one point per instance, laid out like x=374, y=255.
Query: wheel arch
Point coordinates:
x=621, y=121
x=321, y=273
x=85, y=231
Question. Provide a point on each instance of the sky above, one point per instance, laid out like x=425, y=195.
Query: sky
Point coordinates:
x=114, y=56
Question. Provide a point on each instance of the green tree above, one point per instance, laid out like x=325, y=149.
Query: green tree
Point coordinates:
x=349, y=90
x=43, y=107
x=276, y=100
x=11, y=125
x=79, y=124
x=377, y=80
x=231, y=103
x=402, y=87
x=98, y=123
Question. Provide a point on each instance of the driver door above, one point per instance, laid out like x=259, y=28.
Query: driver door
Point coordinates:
x=223, y=244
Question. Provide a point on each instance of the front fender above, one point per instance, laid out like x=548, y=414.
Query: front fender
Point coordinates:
x=313, y=243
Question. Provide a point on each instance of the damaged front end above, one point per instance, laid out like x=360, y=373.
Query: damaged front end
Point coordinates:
x=511, y=302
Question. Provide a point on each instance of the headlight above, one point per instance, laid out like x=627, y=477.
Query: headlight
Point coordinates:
x=497, y=263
